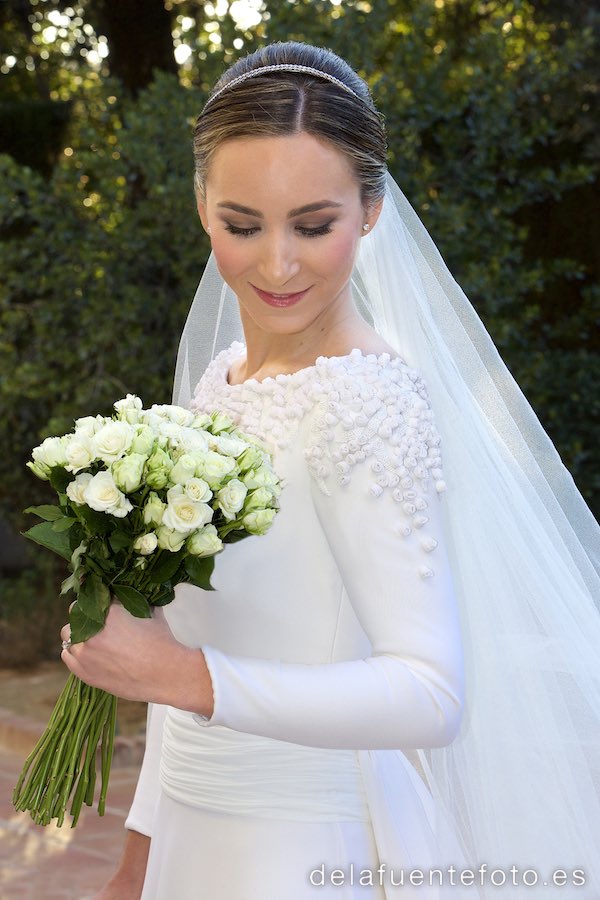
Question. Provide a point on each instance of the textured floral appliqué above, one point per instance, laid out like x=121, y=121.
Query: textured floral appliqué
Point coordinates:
x=381, y=419
x=357, y=410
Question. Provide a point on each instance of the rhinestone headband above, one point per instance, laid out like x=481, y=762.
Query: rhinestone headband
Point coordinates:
x=282, y=67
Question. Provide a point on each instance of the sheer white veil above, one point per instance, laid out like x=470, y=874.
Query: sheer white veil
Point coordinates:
x=520, y=785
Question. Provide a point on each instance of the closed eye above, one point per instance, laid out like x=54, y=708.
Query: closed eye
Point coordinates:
x=305, y=232
x=243, y=232
x=315, y=232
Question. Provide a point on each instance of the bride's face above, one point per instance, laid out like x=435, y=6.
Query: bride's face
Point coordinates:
x=285, y=218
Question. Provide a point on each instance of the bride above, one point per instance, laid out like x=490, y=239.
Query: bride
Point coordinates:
x=396, y=690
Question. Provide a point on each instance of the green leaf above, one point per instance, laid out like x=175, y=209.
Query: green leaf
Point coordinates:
x=199, y=570
x=82, y=627
x=133, y=601
x=93, y=566
x=119, y=540
x=101, y=550
x=69, y=584
x=234, y=536
x=165, y=597
x=44, y=534
x=59, y=478
x=46, y=511
x=97, y=522
x=165, y=566
x=76, y=536
x=94, y=598
x=63, y=524
x=78, y=552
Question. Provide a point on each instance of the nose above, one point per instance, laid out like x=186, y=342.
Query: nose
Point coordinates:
x=278, y=261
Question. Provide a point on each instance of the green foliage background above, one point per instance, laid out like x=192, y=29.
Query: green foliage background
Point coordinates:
x=490, y=109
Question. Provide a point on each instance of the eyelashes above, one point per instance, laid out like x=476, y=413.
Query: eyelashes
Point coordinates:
x=305, y=232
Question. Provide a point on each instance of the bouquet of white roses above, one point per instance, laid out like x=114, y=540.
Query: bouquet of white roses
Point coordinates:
x=146, y=498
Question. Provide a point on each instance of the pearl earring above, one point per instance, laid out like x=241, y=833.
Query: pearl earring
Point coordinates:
x=366, y=226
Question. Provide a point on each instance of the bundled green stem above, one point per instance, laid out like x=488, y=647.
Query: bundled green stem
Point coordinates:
x=63, y=762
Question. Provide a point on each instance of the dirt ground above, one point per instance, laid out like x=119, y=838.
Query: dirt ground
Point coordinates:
x=33, y=692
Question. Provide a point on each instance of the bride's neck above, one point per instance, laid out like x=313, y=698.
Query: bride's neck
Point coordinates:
x=270, y=354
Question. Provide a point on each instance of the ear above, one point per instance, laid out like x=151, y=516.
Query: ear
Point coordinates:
x=372, y=213
x=201, y=205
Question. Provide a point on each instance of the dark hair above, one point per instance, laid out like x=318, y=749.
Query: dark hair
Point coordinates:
x=284, y=103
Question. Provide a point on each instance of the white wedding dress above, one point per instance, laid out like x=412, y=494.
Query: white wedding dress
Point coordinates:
x=334, y=647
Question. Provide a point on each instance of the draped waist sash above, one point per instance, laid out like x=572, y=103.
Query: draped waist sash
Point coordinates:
x=244, y=774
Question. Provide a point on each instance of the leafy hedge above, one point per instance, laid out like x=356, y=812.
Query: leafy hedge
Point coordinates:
x=490, y=138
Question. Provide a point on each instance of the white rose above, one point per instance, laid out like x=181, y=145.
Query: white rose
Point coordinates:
x=183, y=514
x=154, y=510
x=176, y=414
x=80, y=453
x=160, y=464
x=38, y=470
x=76, y=488
x=113, y=440
x=183, y=470
x=102, y=494
x=151, y=419
x=231, y=498
x=129, y=409
x=127, y=472
x=201, y=420
x=197, y=490
x=259, y=499
x=143, y=441
x=192, y=440
x=260, y=521
x=228, y=445
x=146, y=543
x=169, y=539
x=251, y=458
x=220, y=422
x=213, y=467
x=89, y=425
x=51, y=453
x=168, y=432
x=263, y=477
x=205, y=542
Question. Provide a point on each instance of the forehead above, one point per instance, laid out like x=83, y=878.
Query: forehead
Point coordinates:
x=285, y=168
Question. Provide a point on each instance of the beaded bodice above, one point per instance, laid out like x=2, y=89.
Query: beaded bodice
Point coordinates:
x=354, y=410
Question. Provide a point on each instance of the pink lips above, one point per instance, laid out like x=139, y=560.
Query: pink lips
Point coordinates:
x=280, y=300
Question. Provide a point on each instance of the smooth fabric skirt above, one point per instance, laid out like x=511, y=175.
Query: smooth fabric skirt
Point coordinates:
x=243, y=817
x=198, y=854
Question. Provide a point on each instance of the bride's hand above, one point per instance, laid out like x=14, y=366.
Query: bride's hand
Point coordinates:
x=139, y=659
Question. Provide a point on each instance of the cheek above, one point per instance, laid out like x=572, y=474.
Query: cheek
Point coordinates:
x=230, y=257
x=341, y=252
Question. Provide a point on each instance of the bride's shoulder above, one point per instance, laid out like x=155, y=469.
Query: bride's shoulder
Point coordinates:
x=367, y=341
x=373, y=411
x=375, y=345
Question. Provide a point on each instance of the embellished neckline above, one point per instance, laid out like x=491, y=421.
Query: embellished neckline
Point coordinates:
x=356, y=356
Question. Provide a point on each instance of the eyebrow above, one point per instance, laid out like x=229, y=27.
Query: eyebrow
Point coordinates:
x=310, y=207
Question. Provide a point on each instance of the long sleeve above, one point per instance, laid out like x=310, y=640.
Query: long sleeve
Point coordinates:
x=374, y=491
